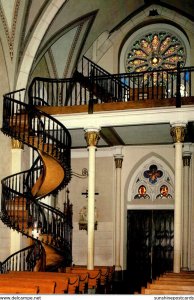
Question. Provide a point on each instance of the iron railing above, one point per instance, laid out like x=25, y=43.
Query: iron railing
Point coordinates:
x=92, y=84
x=21, y=210
x=37, y=130
x=22, y=260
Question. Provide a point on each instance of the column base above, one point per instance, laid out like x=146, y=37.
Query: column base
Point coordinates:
x=184, y=269
x=118, y=275
x=120, y=283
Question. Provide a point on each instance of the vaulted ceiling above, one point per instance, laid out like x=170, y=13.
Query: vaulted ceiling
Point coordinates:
x=76, y=25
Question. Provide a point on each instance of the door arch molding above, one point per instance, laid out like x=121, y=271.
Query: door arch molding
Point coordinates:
x=147, y=159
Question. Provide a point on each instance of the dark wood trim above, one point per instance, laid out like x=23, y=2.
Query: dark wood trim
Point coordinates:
x=114, y=106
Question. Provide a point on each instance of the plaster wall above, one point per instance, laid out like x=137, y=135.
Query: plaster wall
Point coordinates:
x=104, y=206
x=133, y=156
x=5, y=154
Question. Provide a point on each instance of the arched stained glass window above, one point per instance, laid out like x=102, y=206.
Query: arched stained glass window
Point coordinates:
x=152, y=183
x=155, y=51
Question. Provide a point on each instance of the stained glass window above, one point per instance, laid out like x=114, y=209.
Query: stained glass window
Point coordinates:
x=153, y=183
x=158, y=50
x=153, y=174
x=155, y=51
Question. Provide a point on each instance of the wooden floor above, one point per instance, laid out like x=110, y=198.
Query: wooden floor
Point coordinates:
x=114, y=106
x=171, y=284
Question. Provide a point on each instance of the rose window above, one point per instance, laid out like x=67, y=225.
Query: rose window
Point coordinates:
x=155, y=51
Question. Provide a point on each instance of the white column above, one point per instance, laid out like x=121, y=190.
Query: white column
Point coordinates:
x=118, y=164
x=17, y=149
x=186, y=182
x=177, y=132
x=92, y=136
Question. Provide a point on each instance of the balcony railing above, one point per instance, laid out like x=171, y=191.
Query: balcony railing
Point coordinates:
x=97, y=86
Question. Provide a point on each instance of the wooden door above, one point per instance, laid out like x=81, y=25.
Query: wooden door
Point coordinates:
x=149, y=245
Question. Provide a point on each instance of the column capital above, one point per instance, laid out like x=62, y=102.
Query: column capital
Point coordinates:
x=177, y=132
x=187, y=154
x=187, y=149
x=118, y=160
x=16, y=144
x=92, y=136
x=186, y=161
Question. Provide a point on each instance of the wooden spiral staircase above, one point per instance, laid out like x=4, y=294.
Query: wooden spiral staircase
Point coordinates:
x=49, y=229
x=27, y=119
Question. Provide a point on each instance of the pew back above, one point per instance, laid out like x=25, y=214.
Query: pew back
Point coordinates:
x=19, y=290
x=45, y=286
x=48, y=284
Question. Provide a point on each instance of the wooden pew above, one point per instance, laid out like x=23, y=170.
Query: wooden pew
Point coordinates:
x=93, y=276
x=178, y=275
x=150, y=291
x=174, y=278
x=65, y=283
x=180, y=287
x=74, y=282
x=105, y=278
x=171, y=283
x=19, y=290
x=104, y=271
x=83, y=282
x=46, y=286
x=174, y=282
x=181, y=272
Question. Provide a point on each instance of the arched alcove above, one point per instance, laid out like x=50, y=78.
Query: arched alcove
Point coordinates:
x=151, y=184
x=150, y=219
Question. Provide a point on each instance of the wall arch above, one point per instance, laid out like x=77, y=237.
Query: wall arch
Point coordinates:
x=35, y=41
x=150, y=158
x=155, y=27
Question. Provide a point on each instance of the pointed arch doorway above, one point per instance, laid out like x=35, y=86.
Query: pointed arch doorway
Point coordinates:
x=150, y=221
x=149, y=245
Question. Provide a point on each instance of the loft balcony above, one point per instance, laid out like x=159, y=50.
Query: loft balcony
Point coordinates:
x=91, y=88
x=118, y=102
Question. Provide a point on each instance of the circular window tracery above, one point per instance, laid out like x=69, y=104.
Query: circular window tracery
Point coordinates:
x=155, y=51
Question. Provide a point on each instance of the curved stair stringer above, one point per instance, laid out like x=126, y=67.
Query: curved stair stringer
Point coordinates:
x=51, y=178
x=47, y=182
x=22, y=209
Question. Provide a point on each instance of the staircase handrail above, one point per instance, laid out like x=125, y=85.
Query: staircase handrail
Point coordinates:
x=38, y=212
x=31, y=173
x=21, y=260
x=53, y=93
x=93, y=64
x=50, y=136
x=120, y=87
x=100, y=72
x=11, y=106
